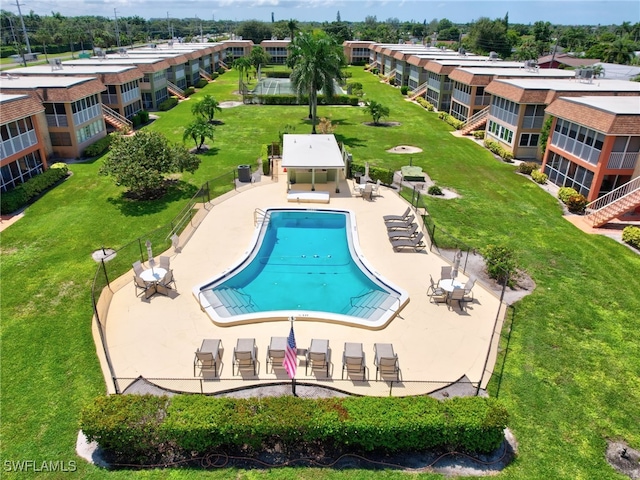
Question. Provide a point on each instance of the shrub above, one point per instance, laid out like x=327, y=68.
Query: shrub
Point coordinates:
x=539, y=177
x=577, y=203
x=425, y=103
x=564, y=193
x=144, y=116
x=146, y=428
x=631, y=235
x=496, y=148
x=451, y=120
x=434, y=190
x=203, y=82
x=98, y=147
x=25, y=192
x=189, y=91
x=527, y=167
x=168, y=104
x=479, y=134
x=264, y=155
x=375, y=71
x=220, y=71
x=501, y=266
x=404, y=89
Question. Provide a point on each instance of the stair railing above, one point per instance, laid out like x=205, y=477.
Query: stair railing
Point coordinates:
x=174, y=88
x=622, y=191
x=476, y=117
x=109, y=112
x=419, y=90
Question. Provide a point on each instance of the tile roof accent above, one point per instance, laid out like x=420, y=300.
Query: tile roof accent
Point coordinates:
x=599, y=119
x=15, y=107
x=61, y=94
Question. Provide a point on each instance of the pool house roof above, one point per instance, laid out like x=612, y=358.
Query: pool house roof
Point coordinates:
x=311, y=151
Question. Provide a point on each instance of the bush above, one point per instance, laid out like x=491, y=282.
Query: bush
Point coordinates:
x=220, y=71
x=564, y=193
x=451, y=120
x=404, y=90
x=434, y=190
x=496, y=148
x=144, y=116
x=168, y=104
x=577, y=203
x=25, y=192
x=385, y=175
x=375, y=71
x=189, y=91
x=98, y=147
x=276, y=74
x=539, y=177
x=203, y=82
x=293, y=100
x=146, y=428
x=501, y=266
x=479, y=134
x=631, y=235
x=264, y=155
x=527, y=167
x=425, y=103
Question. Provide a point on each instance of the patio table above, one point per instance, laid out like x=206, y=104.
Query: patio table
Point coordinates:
x=450, y=284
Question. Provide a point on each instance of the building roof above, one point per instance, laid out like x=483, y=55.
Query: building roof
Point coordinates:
x=619, y=72
x=52, y=88
x=609, y=115
x=545, y=90
x=146, y=65
x=446, y=66
x=16, y=106
x=484, y=76
x=276, y=43
x=311, y=151
x=567, y=59
x=108, y=74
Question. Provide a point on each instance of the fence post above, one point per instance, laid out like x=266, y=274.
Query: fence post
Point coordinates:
x=140, y=247
x=104, y=269
x=391, y=388
x=208, y=192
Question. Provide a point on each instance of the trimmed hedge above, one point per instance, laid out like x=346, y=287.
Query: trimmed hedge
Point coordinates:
x=98, y=147
x=425, y=103
x=496, y=148
x=631, y=235
x=385, y=175
x=293, y=100
x=146, y=428
x=451, y=120
x=564, y=193
x=527, y=167
x=539, y=177
x=27, y=191
x=189, y=91
x=168, y=104
x=276, y=74
x=203, y=81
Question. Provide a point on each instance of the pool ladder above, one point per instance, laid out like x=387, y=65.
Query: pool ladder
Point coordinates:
x=259, y=216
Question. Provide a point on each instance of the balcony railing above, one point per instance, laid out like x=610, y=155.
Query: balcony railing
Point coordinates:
x=532, y=122
x=57, y=120
x=622, y=160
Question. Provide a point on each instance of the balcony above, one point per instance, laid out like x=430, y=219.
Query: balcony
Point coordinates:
x=621, y=160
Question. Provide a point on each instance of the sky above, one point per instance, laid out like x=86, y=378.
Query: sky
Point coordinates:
x=565, y=12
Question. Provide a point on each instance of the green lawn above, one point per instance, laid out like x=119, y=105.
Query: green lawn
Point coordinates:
x=569, y=366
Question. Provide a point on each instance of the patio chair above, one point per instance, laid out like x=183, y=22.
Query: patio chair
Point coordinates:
x=318, y=356
x=401, y=224
x=435, y=292
x=386, y=361
x=445, y=273
x=244, y=355
x=208, y=357
x=147, y=289
x=353, y=360
x=275, y=352
x=367, y=192
x=404, y=233
x=415, y=243
x=137, y=268
x=468, y=293
x=165, y=262
x=376, y=187
x=456, y=296
x=397, y=218
x=168, y=279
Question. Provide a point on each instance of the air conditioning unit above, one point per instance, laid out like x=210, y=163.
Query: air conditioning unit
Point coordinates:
x=493, y=56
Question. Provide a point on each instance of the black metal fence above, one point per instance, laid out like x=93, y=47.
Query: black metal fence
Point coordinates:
x=115, y=265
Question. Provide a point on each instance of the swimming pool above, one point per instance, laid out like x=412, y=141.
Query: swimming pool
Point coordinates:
x=304, y=263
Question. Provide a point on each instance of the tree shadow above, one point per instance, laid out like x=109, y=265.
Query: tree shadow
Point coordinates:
x=350, y=141
x=177, y=191
x=209, y=152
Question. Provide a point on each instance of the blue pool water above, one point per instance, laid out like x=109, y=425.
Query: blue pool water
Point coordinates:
x=303, y=262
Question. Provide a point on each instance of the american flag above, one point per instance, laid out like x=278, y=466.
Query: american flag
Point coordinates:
x=290, y=362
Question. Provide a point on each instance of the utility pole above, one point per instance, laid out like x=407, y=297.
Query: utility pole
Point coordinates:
x=169, y=27
x=117, y=29
x=19, y=49
x=24, y=30
x=553, y=55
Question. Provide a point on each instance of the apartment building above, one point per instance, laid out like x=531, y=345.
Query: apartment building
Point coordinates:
x=278, y=50
x=23, y=132
x=357, y=52
x=517, y=107
x=72, y=105
x=594, y=143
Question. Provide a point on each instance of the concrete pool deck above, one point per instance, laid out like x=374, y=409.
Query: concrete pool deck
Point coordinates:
x=436, y=346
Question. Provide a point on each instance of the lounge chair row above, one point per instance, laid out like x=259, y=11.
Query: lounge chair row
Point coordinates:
x=403, y=231
x=208, y=358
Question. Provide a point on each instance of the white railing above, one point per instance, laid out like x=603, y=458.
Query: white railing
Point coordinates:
x=205, y=74
x=476, y=117
x=419, y=90
x=613, y=196
x=131, y=95
x=87, y=114
x=175, y=89
x=622, y=160
x=110, y=113
x=392, y=74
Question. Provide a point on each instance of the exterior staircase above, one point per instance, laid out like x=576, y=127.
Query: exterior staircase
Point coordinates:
x=224, y=65
x=476, y=121
x=371, y=66
x=392, y=75
x=613, y=204
x=418, y=91
x=116, y=120
x=205, y=75
x=175, y=90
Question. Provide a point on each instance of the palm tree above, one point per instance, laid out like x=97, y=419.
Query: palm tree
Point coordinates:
x=198, y=130
x=620, y=51
x=242, y=64
x=206, y=107
x=316, y=61
x=292, y=25
x=376, y=110
x=258, y=57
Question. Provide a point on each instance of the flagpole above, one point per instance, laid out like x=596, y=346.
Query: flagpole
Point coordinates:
x=293, y=379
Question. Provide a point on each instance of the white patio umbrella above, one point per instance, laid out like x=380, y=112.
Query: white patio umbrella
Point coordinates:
x=456, y=263
x=150, y=254
x=366, y=171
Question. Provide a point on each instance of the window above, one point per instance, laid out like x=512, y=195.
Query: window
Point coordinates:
x=529, y=140
x=501, y=132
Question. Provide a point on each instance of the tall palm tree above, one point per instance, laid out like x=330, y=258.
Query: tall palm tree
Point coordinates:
x=316, y=61
x=619, y=51
x=198, y=131
x=242, y=64
x=292, y=25
x=207, y=108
